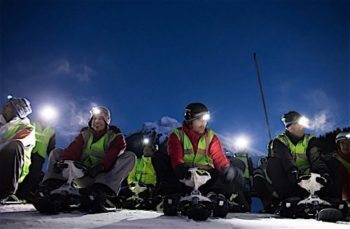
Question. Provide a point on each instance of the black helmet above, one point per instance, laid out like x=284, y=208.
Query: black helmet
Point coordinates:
x=195, y=111
x=290, y=118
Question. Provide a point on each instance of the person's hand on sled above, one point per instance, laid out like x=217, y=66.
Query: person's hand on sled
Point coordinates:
x=325, y=179
x=233, y=175
x=182, y=172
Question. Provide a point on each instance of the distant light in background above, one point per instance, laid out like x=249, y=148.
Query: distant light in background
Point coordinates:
x=9, y=97
x=241, y=142
x=48, y=113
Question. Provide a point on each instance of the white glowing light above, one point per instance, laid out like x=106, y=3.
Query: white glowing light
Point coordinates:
x=304, y=121
x=9, y=97
x=348, y=136
x=242, y=142
x=146, y=141
x=206, y=117
x=96, y=111
x=48, y=113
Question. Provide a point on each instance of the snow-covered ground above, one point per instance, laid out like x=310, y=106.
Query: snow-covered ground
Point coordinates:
x=25, y=216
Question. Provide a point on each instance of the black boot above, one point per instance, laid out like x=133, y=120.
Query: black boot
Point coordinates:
x=220, y=205
x=101, y=199
x=170, y=204
x=289, y=208
x=43, y=201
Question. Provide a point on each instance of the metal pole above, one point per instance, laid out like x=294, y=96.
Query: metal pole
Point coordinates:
x=262, y=95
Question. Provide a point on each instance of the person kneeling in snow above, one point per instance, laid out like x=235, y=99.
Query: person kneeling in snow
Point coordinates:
x=17, y=139
x=195, y=146
x=89, y=171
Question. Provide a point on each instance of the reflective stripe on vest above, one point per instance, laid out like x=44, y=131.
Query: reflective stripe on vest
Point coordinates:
x=43, y=137
x=94, y=152
x=143, y=172
x=298, y=151
x=345, y=163
x=201, y=158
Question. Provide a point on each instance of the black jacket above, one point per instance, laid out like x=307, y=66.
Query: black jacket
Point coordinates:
x=281, y=151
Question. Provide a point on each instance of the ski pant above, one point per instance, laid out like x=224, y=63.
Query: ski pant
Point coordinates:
x=285, y=188
x=281, y=180
x=335, y=189
x=169, y=183
x=265, y=191
x=11, y=165
x=112, y=178
x=27, y=188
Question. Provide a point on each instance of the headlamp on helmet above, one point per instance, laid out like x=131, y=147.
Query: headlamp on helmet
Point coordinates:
x=342, y=136
x=293, y=117
x=195, y=111
x=101, y=112
x=21, y=106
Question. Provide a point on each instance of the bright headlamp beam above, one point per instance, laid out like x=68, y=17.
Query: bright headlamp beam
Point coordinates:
x=146, y=141
x=206, y=117
x=96, y=111
x=303, y=121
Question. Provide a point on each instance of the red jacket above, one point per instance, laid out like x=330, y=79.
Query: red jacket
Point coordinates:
x=116, y=147
x=345, y=177
x=176, y=154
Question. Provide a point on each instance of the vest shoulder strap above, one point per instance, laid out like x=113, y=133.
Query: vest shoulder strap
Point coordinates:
x=86, y=135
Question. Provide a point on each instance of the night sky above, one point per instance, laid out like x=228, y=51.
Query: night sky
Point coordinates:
x=148, y=59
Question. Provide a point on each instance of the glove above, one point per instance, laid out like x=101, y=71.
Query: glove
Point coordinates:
x=59, y=166
x=325, y=179
x=233, y=175
x=293, y=176
x=182, y=172
x=304, y=177
x=95, y=170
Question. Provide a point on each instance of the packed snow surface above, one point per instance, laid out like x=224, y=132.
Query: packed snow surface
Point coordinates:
x=25, y=216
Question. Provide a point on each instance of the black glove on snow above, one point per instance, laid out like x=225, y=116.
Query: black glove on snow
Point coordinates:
x=95, y=170
x=233, y=175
